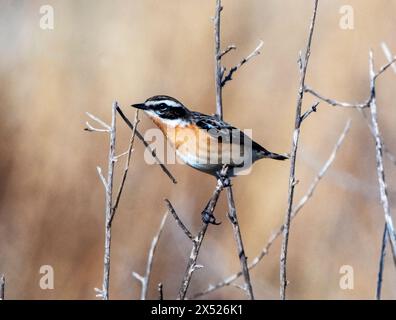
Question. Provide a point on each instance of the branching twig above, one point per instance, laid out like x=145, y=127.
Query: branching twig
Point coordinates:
x=381, y=264
x=229, y=75
x=296, y=135
x=144, y=280
x=232, y=214
x=379, y=157
x=111, y=205
x=178, y=220
x=220, y=81
x=230, y=279
x=197, y=240
x=104, y=292
x=146, y=144
x=219, y=70
x=229, y=48
x=357, y=105
x=126, y=167
x=388, y=54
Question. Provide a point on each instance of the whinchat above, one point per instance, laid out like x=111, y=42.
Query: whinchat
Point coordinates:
x=202, y=141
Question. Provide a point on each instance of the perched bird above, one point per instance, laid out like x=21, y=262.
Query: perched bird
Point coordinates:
x=202, y=141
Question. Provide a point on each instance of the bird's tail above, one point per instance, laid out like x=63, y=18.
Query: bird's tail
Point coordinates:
x=272, y=155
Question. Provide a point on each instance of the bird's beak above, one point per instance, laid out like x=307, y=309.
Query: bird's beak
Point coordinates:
x=141, y=106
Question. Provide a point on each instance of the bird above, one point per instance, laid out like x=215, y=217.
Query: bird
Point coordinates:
x=205, y=142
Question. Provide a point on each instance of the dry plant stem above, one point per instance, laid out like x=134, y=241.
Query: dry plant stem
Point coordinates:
x=126, y=167
x=218, y=68
x=310, y=192
x=292, y=178
x=381, y=264
x=229, y=75
x=358, y=105
x=145, y=280
x=152, y=152
x=110, y=208
x=379, y=158
x=178, y=220
x=238, y=238
x=109, y=205
x=388, y=54
x=2, y=286
x=197, y=242
x=220, y=81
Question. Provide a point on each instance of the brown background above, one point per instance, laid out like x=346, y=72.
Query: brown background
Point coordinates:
x=51, y=200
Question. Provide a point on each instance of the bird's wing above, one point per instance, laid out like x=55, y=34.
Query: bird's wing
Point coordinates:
x=223, y=131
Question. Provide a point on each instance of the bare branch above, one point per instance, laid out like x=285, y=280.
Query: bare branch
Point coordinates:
x=383, y=189
x=255, y=52
x=178, y=220
x=229, y=48
x=232, y=214
x=145, y=280
x=109, y=204
x=309, y=111
x=197, y=241
x=126, y=168
x=336, y=103
x=219, y=71
x=152, y=152
x=93, y=129
x=295, y=140
x=381, y=264
x=102, y=178
x=310, y=192
x=101, y=122
x=388, y=55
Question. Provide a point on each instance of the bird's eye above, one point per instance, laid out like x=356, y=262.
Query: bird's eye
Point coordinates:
x=163, y=106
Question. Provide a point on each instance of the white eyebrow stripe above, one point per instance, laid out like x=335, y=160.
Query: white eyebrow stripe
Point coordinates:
x=170, y=103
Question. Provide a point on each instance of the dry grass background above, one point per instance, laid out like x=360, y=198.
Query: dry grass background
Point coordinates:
x=51, y=201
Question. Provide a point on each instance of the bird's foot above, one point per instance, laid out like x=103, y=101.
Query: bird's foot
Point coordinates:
x=208, y=217
x=225, y=180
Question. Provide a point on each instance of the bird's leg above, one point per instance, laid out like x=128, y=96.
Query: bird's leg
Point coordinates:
x=223, y=181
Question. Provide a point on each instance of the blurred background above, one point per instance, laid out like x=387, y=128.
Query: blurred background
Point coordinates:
x=52, y=202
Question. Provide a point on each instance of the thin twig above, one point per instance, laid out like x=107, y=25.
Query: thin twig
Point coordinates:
x=254, y=53
x=126, y=167
x=307, y=113
x=388, y=54
x=146, y=144
x=145, y=280
x=220, y=81
x=381, y=264
x=310, y=192
x=101, y=122
x=357, y=105
x=336, y=103
x=229, y=48
x=197, y=242
x=232, y=214
x=104, y=294
x=296, y=135
x=178, y=220
x=379, y=158
x=2, y=287
x=219, y=71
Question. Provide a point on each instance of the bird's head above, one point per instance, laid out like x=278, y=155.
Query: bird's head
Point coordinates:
x=166, y=108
